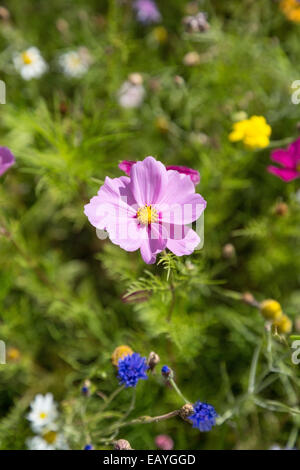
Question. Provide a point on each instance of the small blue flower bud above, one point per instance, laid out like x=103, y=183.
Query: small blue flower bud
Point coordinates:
x=166, y=372
x=88, y=447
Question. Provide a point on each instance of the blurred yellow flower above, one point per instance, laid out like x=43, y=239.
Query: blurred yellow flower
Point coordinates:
x=283, y=325
x=291, y=9
x=160, y=34
x=254, y=132
x=120, y=352
x=13, y=354
x=271, y=309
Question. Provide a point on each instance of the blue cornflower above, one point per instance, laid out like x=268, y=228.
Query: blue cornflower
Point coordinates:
x=204, y=417
x=132, y=368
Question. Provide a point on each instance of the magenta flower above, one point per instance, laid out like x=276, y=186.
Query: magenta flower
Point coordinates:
x=147, y=11
x=6, y=159
x=148, y=211
x=126, y=166
x=290, y=161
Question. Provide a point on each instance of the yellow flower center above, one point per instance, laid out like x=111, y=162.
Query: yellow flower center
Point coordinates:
x=50, y=437
x=26, y=58
x=298, y=167
x=43, y=415
x=147, y=215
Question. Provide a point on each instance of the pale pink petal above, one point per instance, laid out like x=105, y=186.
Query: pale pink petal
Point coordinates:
x=186, y=245
x=129, y=235
x=113, y=202
x=148, y=181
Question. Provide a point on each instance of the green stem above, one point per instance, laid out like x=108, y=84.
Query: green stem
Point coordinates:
x=174, y=385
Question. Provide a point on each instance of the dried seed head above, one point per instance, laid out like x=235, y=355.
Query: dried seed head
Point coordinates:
x=186, y=411
x=153, y=360
x=122, y=444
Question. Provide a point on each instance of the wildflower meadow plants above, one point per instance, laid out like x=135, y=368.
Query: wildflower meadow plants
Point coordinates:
x=126, y=124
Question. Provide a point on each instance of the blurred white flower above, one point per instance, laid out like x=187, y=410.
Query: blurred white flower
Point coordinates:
x=75, y=63
x=132, y=92
x=50, y=440
x=30, y=63
x=43, y=411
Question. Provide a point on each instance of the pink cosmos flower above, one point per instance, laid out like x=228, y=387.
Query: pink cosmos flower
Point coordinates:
x=126, y=166
x=148, y=211
x=290, y=161
x=6, y=159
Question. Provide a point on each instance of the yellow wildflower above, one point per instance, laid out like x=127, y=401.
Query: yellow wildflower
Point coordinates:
x=291, y=9
x=13, y=354
x=119, y=353
x=271, y=309
x=283, y=325
x=160, y=34
x=254, y=132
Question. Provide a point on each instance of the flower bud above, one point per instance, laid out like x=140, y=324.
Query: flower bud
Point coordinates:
x=281, y=209
x=153, y=360
x=162, y=124
x=249, y=299
x=122, y=444
x=271, y=309
x=88, y=447
x=4, y=14
x=283, y=325
x=191, y=59
x=297, y=324
x=119, y=353
x=164, y=442
x=186, y=411
x=179, y=81
x=166, y=372
x=85, y=390
x=135, y=78
x=228, y=251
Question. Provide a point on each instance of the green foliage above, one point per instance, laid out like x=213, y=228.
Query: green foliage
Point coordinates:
x=67, y=299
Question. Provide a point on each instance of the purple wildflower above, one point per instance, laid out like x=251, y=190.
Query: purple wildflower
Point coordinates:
x=6, y=159
x=147, y=11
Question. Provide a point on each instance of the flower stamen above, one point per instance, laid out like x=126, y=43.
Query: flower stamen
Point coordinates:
x=147, y=215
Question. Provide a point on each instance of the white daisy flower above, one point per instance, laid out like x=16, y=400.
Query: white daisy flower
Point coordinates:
x=43, y=411
x=30, y=63
x=132, y=92
x=50, y=440
x=75, y=63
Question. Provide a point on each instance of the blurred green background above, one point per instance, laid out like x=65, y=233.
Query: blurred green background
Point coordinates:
x=61, y=287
